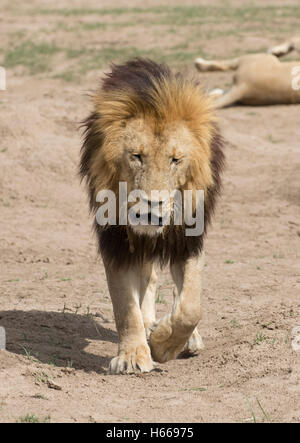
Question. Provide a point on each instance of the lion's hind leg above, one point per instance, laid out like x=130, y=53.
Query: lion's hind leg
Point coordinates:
x=234, y=95
x=203, y=65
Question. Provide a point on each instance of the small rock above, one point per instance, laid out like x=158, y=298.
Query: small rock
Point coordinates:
x=68, y=370
x=52, y=385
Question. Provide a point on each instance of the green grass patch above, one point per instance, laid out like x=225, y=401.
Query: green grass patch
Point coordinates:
x=31, y=418
x=39, y=58
x=35, y=57
x=194, y=389
x=29, y=354
x=273, y=140
x=266, y=417
x=197, y=24
x=67, y=76
x=183, y=14
x=95, y=59
x=39, y=397
x=234, y=323
x=42, y=378
x=260, y=338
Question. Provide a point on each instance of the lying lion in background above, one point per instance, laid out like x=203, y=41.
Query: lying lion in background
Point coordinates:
x=152, y=130
x=260, y=79
x=285, y=48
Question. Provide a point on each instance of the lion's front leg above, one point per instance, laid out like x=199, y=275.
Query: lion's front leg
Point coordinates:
x=172, y=332
x=194, y=345
x=134, y=353
x=147, y=296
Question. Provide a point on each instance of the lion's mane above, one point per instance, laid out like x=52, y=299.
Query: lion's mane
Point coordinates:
x=144, y=88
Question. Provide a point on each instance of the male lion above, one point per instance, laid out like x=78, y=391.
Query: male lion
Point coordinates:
x=153, y=130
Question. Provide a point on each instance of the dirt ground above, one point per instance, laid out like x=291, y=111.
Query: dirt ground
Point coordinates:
x=54, y=301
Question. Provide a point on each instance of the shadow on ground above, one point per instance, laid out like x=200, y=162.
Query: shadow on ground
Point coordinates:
x=58, y=338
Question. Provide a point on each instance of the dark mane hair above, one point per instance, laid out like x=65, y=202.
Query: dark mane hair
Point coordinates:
x=151, y=89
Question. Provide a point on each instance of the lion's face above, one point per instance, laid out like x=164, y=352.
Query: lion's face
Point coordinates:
x=161, y=162
x=153, y=162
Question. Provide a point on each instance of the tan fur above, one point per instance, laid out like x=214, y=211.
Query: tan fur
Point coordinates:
x=159, y=134
x=260, y=79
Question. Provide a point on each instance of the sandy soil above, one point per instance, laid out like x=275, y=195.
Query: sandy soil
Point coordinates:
x=55, y=305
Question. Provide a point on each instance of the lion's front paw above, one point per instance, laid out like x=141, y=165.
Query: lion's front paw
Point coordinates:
x=164, y=344
x=164, y=351
x=193, y=346
x=132, y=360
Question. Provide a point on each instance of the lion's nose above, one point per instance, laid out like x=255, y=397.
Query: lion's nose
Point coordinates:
x=158, y=206
x=154, y=202
x=153, y=218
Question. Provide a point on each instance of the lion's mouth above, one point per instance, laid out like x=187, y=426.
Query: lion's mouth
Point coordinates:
x=149, y=223
x=153, y=219
x=149, y=230
x=150, y=216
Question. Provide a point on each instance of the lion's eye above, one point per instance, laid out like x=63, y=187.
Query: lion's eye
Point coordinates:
x=175, y=161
